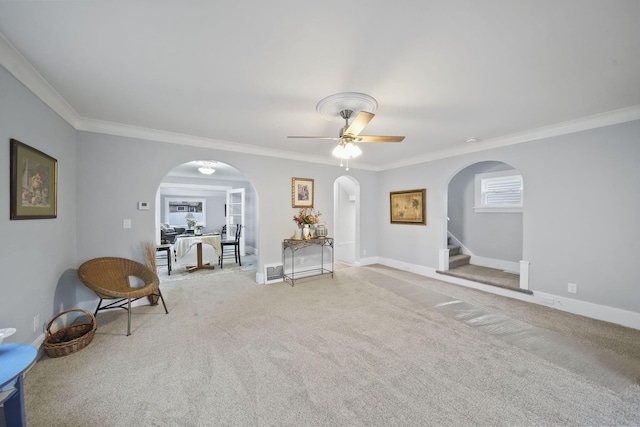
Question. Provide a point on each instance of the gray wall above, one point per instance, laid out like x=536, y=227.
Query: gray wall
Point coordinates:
x=270, y=177
x=35, y=255
x=495, y=235
x=580, y=224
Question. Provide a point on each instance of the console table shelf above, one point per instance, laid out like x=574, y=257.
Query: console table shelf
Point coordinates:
x=291, y=246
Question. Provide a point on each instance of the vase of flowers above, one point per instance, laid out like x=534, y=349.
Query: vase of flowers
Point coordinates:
x=305, y=218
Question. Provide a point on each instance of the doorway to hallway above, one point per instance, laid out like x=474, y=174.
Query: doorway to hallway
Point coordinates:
x=346, y=194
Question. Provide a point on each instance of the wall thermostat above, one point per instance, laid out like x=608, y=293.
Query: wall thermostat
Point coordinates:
x=143, y=206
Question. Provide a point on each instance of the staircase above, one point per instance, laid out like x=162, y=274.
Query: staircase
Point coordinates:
x=460, y=267
x=456, y=259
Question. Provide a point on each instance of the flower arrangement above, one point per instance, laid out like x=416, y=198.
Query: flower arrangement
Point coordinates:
x=191, y=223
x=307, y=216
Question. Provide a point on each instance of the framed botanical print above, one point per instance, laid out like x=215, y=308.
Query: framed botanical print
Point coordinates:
x=34, y=182
x=409, y=207
x=301, y=193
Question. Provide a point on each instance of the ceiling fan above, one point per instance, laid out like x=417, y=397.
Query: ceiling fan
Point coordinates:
x=345, y=105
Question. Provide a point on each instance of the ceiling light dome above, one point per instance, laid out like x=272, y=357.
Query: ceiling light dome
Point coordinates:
x=206, y=168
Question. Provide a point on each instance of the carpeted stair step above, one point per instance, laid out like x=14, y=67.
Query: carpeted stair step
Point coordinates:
x=453, y=250
x=458, y=260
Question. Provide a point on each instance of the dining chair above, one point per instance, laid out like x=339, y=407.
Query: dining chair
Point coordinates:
x=228, y=244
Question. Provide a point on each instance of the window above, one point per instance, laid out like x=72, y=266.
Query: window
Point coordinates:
x=499, y=192
x=177, y=208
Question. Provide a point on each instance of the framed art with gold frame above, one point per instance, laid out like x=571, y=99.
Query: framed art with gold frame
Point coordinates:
x=301, y=192
x=34, y=183
x=409, y=207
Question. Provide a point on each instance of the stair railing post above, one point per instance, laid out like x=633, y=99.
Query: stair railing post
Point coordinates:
x=443, y=261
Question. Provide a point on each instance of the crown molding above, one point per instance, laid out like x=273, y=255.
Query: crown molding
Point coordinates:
x=586, y=123
x=24, y=72
x=129, y=131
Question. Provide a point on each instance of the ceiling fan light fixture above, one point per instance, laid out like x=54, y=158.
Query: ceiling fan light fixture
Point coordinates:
x=346, y=150
x=352, y=150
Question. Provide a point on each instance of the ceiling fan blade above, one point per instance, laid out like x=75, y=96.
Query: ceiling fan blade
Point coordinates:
x=361, y=120
x=333, y=138
x=375, y=138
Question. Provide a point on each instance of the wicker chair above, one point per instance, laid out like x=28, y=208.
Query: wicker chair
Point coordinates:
x=109, y=278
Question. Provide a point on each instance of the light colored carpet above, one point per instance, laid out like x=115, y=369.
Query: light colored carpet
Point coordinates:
x=179, y=265
x=371, y=347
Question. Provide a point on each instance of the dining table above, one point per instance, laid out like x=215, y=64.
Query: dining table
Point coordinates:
x=184, y=243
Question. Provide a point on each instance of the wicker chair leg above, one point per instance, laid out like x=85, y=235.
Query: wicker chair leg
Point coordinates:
x=95, y=313
x=163, y=304
x=129, y=316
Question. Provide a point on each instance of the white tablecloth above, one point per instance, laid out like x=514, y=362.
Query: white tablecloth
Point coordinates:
x=182, y=245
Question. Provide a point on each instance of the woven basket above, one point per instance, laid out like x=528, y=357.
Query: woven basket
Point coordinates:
x=69, y=339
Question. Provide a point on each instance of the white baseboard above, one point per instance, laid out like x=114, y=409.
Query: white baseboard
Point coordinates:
x=369, y=260
x=627, y=318
x=38, y=341
x=583, y=308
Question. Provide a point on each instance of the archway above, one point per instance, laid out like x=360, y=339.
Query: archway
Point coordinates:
x=346, y=197
x=485, y=223
x=186, y=183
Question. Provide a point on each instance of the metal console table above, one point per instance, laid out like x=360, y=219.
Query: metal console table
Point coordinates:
x=291, y=246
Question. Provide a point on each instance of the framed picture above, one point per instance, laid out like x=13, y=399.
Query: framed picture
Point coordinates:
x=34, y=181
x=409, y=207
x=301, y=193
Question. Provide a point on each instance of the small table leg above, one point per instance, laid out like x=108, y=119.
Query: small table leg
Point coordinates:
x=192, y=268
x=14, y=406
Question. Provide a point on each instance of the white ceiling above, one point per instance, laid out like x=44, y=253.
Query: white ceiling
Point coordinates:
x=244, y=75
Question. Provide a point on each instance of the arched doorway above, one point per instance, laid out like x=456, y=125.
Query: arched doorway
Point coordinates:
x=186, y=183
x=346, y=197
x=485, y=208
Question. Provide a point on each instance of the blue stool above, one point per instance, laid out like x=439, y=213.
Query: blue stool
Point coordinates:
x=15, y=359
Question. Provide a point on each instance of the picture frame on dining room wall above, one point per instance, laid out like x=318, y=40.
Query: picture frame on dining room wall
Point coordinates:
x=408, y=207
x=33, y=183
x=301, y=193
